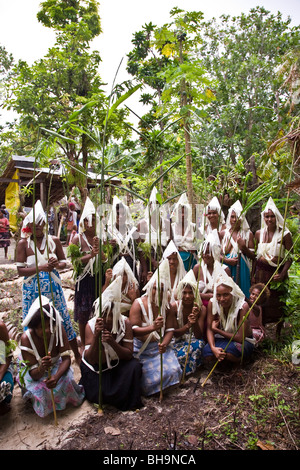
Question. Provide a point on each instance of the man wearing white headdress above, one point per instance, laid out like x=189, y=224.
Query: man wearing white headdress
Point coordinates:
x=50, y=257
x=213, y=217
x=130, y=288
x=176, y=266
x=184, y=232
x=237, y=244
x=157, y=240
x=83, y=252
x=36, y=384
x=210, y=252
x=122, y=234
x=189, y=332
x=121, y=372
x=229, y=336
x=153, y=319
x=273, y=240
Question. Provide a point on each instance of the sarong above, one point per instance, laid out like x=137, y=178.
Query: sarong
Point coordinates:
x=121, y=385
x=85, y=295
x=30, y=293
x=244, y=277
x=195, y=353
x=273, y=311
x=66, y=391
x=234, y=348
x=150, y=359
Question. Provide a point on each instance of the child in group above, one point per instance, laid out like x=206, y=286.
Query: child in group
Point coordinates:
x=261, y=292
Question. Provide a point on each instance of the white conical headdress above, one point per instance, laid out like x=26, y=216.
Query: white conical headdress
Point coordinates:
x=190, y=280
x=111, y=301
x=272, y=206
x=212, y=242
x=183, y=202
x=53, y=314
x=122, y=267
x=39, y=217
x=87, y=213
x=113, y=214
x=163, y=272
x=170, y=249
x=238, y=209
x=215, y=206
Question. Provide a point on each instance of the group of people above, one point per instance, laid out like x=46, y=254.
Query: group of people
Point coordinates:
x=153, y=300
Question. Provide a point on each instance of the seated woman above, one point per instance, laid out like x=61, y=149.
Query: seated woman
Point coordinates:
x=237, y=243
x=176, y=267
x=48, y=369
x=6, y=370
x=153, y=323
x=121, y=372
x=229, y=335
x=260, y=292
x=190, y=321
x=204, y=271
x=130, y=286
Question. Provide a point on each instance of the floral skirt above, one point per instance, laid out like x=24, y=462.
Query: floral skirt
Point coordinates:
x=30, y=293
x=194, y=359
x=66, y=391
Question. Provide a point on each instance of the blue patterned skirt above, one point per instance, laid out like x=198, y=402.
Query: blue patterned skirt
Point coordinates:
x=151, y=372
x=30, y=293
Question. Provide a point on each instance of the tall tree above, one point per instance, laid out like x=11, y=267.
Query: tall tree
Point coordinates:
x=65, y=80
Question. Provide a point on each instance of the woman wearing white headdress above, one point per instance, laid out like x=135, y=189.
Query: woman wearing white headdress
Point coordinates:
x=237, y=244
x=176, y=266
x=122, y=233
x=273, y=239
x=213, y=218
x=151, y=315
x=121, y=372
x=190, y=321
x=184, y=231
x=229, y=336
x=50, y=258
x=130, y=287
x=210, y=252
x=36, y=384
x=84, y=251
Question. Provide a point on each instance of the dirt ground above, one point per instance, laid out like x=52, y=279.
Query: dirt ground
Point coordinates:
x=249, y=408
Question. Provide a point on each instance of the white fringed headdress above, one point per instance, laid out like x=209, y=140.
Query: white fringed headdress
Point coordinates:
x=53, y=314
x=181, y=272
x=87, y=213
x=111, y=302
x=182, y=202
x=238, y=209
x=163, y=272
x=213, y=205
x=190, y=280
x=39, y=218
x=122, y=267
x=271, y=250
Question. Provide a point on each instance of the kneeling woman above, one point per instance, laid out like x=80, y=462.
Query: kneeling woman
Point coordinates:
x=228, y=333
x=37, y=383
x=121, y=372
